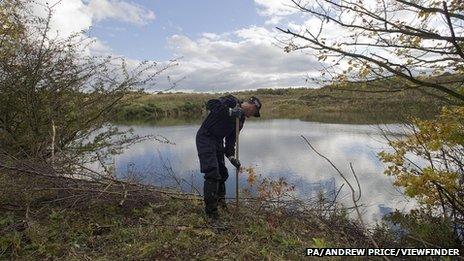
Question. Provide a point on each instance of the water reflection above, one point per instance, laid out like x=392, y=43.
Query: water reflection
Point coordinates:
x=275, y=149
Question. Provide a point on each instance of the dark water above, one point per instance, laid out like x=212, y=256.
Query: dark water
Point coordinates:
x=275, y=149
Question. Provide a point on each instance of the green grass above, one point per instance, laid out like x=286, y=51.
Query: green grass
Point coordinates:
x=174, y=229
x=34, y=226
x=170, y=229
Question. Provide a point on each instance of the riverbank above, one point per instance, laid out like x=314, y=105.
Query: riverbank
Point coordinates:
x=169, y=229
x=41, y=223
x=332, y=104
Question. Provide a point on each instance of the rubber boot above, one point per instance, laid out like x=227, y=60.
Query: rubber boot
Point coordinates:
x=210, y=194
x=221, y=196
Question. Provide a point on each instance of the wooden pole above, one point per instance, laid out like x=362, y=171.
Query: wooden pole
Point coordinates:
x=53, y=142
x=237, y=132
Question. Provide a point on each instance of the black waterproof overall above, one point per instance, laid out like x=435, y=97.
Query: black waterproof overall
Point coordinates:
x=210, y=146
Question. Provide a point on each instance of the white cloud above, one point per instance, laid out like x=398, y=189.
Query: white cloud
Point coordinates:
x=256, y=34
x=275, y=7
x=69, y=16
x=120, y=10
x=211, y=36
x=244, y=59
x=99, y=47
x=274, y=20
x=275, y=10
x=73, y=16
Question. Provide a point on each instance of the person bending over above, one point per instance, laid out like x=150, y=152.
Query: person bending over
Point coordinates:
x=218, y=126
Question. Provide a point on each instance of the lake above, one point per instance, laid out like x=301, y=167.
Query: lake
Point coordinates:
x=274, y=148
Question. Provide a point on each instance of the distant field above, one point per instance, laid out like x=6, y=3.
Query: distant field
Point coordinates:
x=352, y=104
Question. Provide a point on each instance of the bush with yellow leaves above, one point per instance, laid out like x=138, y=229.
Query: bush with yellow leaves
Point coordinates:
x=429, y=164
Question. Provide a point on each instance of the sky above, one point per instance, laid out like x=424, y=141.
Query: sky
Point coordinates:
x=219, y=45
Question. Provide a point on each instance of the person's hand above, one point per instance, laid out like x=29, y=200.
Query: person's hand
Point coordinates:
x=236, y=112
x=235, y=162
